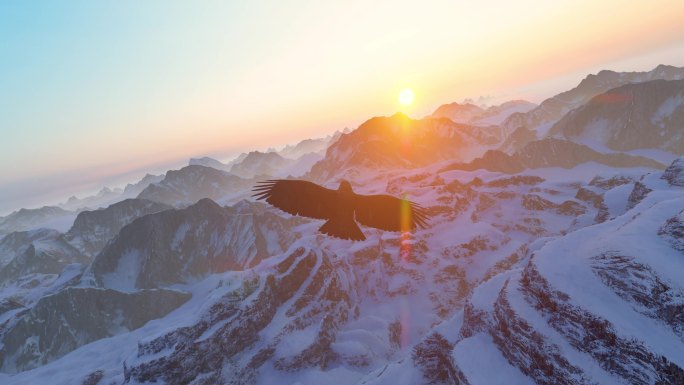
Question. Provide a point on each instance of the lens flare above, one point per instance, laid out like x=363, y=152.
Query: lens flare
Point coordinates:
x=405, y=224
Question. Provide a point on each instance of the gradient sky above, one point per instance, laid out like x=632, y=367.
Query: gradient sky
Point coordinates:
x=92, y=91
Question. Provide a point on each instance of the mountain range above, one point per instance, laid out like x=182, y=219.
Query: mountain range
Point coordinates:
x=554, y=255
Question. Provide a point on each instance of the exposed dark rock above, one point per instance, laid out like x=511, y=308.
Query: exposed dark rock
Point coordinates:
x=589, y=196
x=609, y=183
x=536, y=203
x=551, y=152
x=527, y=349
x=529, y=180
x=233, y=325
x=603, y=214
x=554, y=108
x=60, y=323
x=93, y=229
x=633, y=116
x=37, y=252
x=176, y=246
x=674, y=174
x=673, y=231
x=27, y=219
x=93, y=378
x=571, y=208
x=627, y=358
x=638, y=194
x=640, y=286
x=433, y=357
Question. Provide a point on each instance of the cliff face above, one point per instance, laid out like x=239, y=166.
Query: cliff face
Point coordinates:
x=551, y=110
x=60, y=323
x=176, y=246
x=646, y=115
x=550, y=319
x=557, y=263
x=399, y=142
x=93, y=229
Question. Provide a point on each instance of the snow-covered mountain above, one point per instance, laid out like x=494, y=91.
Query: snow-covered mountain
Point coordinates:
x=192, y=183
x=36, y=252
x=551, y=152
x=458, y=113
x=210, y=162
x=648, y=115
x=495, y=115
x=401, y=142
x=308, y=146
x=603, y=304
x=271, y=164
x=557, y=263
x=260, y=163
x=63, y=321
x=104, y=197
x=480, y=116
x=29, y=219
x=175, y=246
x=93, y=229
x=536, y=123
x=133, y=189
x=107, y=196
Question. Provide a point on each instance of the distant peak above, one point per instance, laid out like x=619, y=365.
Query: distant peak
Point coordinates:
x=400, y=115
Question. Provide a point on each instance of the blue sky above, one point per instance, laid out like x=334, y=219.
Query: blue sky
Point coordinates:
x=98, y=92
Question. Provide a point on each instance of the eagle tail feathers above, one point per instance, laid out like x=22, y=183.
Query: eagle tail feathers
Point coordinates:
x=342, y=229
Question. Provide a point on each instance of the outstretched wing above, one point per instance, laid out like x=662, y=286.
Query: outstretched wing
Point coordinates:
x=298, y=197
x=386, y=212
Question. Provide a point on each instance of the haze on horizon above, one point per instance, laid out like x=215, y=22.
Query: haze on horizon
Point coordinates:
x=92, y=93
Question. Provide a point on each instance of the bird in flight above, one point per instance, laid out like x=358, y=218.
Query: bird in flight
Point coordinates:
x=342, y=208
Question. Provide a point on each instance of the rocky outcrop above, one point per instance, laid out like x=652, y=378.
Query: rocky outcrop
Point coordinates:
x=175, y=246
x=674, y=174
x=597, y=336
x=433, y=357
x=36, y=252
x=539, y=120
x=638, y=194
x=673, y=231
x=60, y=323
x=93, y=229
x=303, y=290
x=551, y=152
x=643, y=289
x=647, y=115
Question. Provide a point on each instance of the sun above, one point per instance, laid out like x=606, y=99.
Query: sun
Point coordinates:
x=406, y=97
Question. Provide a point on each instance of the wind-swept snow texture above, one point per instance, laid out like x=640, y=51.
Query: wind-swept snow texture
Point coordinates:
x=563, y=268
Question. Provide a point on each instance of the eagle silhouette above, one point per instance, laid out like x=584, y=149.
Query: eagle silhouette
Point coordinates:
x=342, y=208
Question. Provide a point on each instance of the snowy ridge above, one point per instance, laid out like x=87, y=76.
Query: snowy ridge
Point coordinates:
x=538, y=121
x=587, y=299
x=558, y=264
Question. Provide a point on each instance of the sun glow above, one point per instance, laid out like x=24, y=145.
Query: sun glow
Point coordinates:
x=406, y=97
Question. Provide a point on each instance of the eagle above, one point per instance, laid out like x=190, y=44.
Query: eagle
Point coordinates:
x=342, y=208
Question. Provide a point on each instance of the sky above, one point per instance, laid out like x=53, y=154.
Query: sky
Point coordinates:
x=101, y=92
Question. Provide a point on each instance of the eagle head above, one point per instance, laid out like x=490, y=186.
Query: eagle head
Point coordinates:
x=345, y=187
